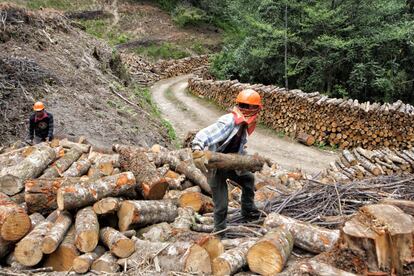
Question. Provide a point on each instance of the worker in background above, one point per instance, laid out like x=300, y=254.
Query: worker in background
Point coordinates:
x=229, y=135
x=40, y=124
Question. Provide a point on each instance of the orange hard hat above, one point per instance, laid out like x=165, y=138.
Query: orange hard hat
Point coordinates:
x=249, y=96
x=38, y=106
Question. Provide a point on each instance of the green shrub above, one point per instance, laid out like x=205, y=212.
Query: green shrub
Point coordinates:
x=163, y=51
x=186, y=15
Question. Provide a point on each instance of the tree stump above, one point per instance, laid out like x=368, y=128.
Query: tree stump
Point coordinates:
x=382, y=233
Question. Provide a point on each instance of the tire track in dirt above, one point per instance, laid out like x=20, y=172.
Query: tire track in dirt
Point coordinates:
x=186, y=112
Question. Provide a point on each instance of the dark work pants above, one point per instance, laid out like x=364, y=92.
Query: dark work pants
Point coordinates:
x=217, y=181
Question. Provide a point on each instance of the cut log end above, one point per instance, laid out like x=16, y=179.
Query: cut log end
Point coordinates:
x=15, y=226
x=198, y=260
x=81, y=265
x=26, y=254
x=264, y=259
x=11, y=185
x=123, y=248
x=125, y=215
x=156, y=190
x=221, y=267
x=87, y=241
x=191, y=199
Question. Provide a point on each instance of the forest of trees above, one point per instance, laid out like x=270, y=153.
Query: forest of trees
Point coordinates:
x=344, y=48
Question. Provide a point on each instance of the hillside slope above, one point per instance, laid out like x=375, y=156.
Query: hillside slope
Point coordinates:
x=44, y=57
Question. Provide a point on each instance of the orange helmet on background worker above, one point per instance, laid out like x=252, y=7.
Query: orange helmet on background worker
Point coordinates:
x=249, y=96
x=38, y=106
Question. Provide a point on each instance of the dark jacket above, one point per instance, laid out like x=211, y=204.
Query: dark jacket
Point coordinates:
x=42, y=128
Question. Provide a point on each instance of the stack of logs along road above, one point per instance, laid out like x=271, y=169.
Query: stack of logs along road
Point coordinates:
x=359, y=163
x=69, y=206
x=313, y=117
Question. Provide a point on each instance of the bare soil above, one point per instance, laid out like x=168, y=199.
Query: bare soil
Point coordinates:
x=187, y=113
x=43, y=57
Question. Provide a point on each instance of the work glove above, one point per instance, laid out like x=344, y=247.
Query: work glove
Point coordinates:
x=200, y=160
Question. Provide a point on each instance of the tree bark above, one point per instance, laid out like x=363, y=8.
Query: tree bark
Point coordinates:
x=79, y=195
x=62, y=164
x=107, y=205
x=106, y=263
x=12, y=178
x=83, y=263
x=145, y=212
x=40, y=194
x=119, y=245
x=269, y=255
x=86, y=230
x=56, y=234
x=315, y=267
x=177, y=256
x=382, y=236
x=35, y=218
x=62, y=258
x=28, y=251
x=14, y=222
x=78, y=168
x=150, y=183
x=199, y=202
x=306, y=139
x=307, y=236
x=232, y=260
x=185, y=167
x=223, y=161
x=69, y=145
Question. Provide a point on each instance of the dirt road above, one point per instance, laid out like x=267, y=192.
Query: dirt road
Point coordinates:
x=186, y=112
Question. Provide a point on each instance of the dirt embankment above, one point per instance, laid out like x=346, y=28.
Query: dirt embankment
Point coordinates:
x=43, y=57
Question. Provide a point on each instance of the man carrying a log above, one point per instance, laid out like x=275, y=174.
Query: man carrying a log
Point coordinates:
x=229, y=135
x=40, y=124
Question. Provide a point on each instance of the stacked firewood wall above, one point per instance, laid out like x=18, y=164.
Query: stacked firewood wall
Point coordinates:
x=338, y=122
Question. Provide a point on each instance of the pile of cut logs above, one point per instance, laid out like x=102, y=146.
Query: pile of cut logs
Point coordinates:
x=69, y=206
x=341, y=122
x=146, y=72
x=360, y=163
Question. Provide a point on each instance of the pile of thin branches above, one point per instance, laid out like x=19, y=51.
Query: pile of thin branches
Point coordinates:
x=16, y=72
x=330, y=205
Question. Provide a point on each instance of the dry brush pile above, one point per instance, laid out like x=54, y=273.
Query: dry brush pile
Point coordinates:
x=341, y=122
x=71, y=206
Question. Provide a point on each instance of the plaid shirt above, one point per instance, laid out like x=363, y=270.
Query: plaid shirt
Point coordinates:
x=218, y=135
